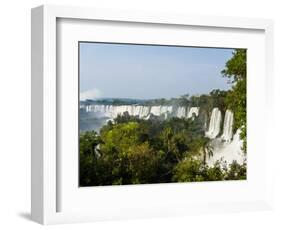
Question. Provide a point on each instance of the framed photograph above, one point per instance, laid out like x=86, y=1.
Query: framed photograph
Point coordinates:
x=140, y=114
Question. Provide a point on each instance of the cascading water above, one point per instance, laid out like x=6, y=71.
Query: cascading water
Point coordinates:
x=142, y=111
x=227, y=147
x=181, y=112
x=227, y=126
x=215, y=123
x=227, y=151
x=155, y=110
x=193, y=110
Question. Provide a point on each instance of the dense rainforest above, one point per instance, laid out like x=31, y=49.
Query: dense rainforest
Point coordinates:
x=130, y=150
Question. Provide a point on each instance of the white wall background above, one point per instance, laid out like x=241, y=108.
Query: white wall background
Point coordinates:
x=15, y=112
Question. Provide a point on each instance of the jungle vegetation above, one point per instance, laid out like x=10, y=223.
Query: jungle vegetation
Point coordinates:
x=129, y=150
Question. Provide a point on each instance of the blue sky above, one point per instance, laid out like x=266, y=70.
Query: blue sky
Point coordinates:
x=146, y=72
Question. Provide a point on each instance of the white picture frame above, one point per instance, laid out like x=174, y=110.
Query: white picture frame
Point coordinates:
x=46, y=181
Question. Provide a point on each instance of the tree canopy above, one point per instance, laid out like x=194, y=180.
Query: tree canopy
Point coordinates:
x=236, y=99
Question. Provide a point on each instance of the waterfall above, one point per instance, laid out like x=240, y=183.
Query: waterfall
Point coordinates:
x=228, y=146
x=155, y=110
x=193, y=110
x=142, y=111
x=159, y=110
x=227, y=151
x=227, y=126
x=181, y=112
x=215, y=122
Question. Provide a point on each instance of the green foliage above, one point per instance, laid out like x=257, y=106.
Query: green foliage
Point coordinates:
x=88, y=157
x=237, y=171
x=236, y=67
x=192, y=169
x=130, y=150
x=189, y=170
x=236, y=99
x=145, y=164
x=134, y=151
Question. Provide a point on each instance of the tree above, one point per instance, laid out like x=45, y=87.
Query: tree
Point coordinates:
x=116, y=143
x=145, y=164
x=207, y=149
x=236, y=67
x=135, y=151
x=237, y=171
x=88, y=154
x=236, y=99
x=189, y=170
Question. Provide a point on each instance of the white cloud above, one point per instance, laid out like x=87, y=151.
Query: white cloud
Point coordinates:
x=90, y=94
